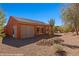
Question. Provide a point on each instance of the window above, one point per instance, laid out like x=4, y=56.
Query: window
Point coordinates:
x=37, y=29
x=43, y=30
x=13, y=31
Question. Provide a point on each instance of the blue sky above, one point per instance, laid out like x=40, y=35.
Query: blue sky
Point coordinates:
x=37, y=11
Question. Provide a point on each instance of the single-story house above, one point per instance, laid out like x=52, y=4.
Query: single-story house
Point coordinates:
x=20, y=28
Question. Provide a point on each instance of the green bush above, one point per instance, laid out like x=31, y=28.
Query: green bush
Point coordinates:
x=58, y=47
x=59, y=50
x=2, y=35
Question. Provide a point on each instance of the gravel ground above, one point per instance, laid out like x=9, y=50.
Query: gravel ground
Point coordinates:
x=71, y=42
x=27, y=50
x=71, y=46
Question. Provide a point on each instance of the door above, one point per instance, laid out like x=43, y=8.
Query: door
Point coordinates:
x=27, y=31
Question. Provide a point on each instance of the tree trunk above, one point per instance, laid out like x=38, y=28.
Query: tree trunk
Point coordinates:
x=76, y=28
x=76, y=31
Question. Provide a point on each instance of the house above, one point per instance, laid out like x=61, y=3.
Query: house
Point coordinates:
x=20, y=28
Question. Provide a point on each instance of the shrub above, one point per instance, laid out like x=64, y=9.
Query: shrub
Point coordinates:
x=59, y=50
x=2, y=35
x=45, y=42
x=57, y=40
x=58, y=47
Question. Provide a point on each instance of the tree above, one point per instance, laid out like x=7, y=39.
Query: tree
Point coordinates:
x=2, y=21
x=68, y=28
x=52, y=24
x=70, y=15
x=58, y=29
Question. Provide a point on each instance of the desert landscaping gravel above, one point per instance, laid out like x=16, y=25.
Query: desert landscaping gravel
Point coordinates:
x=39, y=50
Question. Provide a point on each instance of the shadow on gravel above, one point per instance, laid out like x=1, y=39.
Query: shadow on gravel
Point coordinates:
x=22, y=42
x=70, y=46
x=57, y=35
x=19, y=42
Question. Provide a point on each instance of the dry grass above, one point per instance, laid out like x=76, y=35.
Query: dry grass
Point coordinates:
x=45, y=42
x=49, y=42
x=1, y=38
